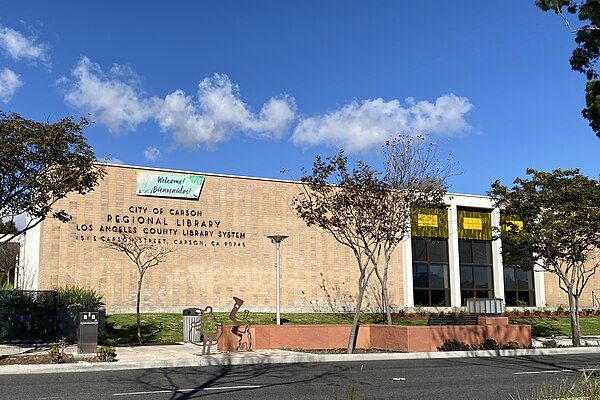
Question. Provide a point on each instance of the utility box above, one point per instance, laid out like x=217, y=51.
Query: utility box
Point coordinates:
x=485, y=306
x=87, y=332
x=192, y=316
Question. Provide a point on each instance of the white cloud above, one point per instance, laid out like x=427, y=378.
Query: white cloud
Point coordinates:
x=218, y=112
x=111, y=100
x=361, y=125
x=152, y=154
x=9, y=83
x=19, y=47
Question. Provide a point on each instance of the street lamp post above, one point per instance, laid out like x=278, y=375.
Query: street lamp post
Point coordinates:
x=277, y=238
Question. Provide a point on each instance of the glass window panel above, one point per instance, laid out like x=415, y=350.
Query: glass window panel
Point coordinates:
x=421, y=297
x=510, y=298
x=523, y=299
x=531, y=298
x=483, y=277
x=466, y=277
x=482, y=252
x=524, y=279
x=438, y=276
x=509, y=278
x=483, y=294
x=464, y=247
x=466, y=294
x=419, y=251
x=438, y=250
x=420, y=278
x=440, y=298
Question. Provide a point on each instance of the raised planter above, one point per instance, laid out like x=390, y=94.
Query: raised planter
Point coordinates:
x=384, y=337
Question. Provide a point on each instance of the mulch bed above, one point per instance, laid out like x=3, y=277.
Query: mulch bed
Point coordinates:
x=29, y=359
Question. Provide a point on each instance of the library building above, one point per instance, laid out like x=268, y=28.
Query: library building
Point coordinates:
x=216, y=229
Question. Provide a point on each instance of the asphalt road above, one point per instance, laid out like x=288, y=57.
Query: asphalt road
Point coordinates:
x=461, y=378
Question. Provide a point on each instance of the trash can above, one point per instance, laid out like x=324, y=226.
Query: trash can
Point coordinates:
x=87, y=332
x=192, y=315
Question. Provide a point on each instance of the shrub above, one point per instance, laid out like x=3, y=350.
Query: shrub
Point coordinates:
x=106, y=353
x=454, y=345
x=458, y=311
x=78, y=297
x=489, y=344
x=4, y=285
x=510, y=345
x=57, y=351
x=549, y=344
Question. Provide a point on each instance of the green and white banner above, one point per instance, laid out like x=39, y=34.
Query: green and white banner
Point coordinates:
x=163, y=184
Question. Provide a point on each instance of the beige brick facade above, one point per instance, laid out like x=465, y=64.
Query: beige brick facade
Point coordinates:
x=221, y=250
x=589, y=298
x=220, y=241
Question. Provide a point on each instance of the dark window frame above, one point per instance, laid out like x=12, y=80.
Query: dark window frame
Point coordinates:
x=512, y=296
x=473, y=265
x=429, y=292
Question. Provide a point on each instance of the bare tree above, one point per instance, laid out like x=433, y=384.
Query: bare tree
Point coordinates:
x=145, y=253
x=417, y=181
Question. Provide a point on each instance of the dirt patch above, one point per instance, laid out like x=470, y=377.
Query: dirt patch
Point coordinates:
x=28, y=359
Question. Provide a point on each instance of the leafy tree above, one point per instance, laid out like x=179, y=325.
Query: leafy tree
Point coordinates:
x=41, y=164
x=9, y=255
x=145, y=254
x=586, y=53
x=559, y=229
x=350, y=205
x=8, y=227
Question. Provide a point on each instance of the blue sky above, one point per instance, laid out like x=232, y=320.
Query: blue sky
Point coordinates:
x=253, y=87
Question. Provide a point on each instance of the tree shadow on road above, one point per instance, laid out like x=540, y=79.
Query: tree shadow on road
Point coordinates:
x=229, y=378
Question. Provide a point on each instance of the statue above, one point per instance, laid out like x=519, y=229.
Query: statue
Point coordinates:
x=204, y=326
x=245, y=337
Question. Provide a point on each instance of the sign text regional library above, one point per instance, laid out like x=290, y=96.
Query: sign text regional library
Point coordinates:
x=218, y=226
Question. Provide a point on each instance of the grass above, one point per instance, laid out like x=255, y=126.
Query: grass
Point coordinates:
x=585, y=386
x=168, y=328
x=559, y=326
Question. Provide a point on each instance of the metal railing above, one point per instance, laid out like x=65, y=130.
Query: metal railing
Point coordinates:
x=28, y=315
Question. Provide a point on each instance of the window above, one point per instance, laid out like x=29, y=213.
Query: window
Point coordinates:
x=476, y=272
x=430, y=272
x=518, y=286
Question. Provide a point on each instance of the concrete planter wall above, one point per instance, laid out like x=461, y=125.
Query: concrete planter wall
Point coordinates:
x=384, y=337
x=68, y=321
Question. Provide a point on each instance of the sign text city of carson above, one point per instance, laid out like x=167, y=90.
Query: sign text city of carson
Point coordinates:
x=176, y=225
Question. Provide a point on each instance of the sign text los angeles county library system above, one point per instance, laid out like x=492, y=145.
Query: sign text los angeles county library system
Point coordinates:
x=179, y=226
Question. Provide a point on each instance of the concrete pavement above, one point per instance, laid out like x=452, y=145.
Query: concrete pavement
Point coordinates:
x=189, y=355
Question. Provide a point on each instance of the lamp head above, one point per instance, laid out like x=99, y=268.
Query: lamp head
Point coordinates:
x=277, y=237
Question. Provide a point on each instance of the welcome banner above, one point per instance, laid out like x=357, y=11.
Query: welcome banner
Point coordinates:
x=163, y=184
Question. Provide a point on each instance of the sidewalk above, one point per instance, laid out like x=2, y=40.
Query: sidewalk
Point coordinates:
x=189, y=355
